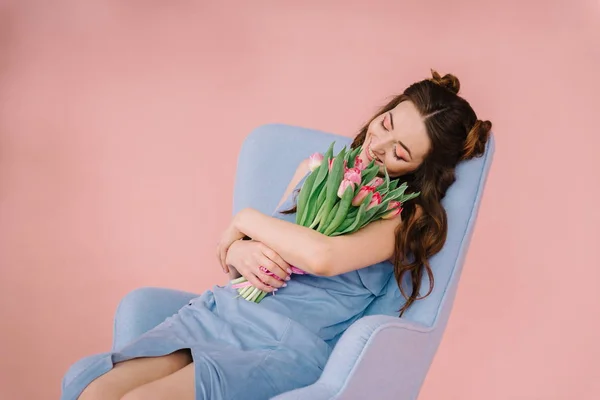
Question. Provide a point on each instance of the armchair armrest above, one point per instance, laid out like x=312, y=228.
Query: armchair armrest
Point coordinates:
x=356, y=367
x=143, y=309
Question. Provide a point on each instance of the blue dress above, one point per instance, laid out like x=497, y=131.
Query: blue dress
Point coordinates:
x=244, y=350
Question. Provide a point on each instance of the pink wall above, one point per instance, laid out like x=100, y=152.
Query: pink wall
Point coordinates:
x=114, y=114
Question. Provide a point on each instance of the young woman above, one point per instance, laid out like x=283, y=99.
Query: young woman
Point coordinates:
x=221, y=347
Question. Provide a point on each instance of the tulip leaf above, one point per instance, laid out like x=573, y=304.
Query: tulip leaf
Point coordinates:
x=369, y=173
x=327, y=221
x=321, y=198
x=316, y=177
x=316, y=221
x=342, y=211
x=311, y=207
x=381, y=211
x=384, y=205
x=333, y=182
x=323, y=169
x=386, y=183
x=349, y=218
x=347, y=158
x=409, y=196
x=398, y=192
x=345, y=224
x=368, y=216
x=328, y=153
x=319, y=206
x=353, y=227
x=353, y=211
x=352, y=157
x=305, y=190
x=316, y=207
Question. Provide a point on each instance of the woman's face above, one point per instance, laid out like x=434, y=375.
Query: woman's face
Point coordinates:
x=397, y=140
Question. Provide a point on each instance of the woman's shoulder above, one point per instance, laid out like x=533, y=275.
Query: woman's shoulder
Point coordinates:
x=301, y=170
x=303, y=167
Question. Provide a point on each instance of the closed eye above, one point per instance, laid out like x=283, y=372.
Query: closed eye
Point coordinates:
x=397, y=156
x=382, y=123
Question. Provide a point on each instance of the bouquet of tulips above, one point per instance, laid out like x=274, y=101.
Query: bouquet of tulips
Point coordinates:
x=338, y=197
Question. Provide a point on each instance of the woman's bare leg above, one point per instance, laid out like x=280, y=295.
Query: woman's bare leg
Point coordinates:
x=128, y=375
x=179, y=385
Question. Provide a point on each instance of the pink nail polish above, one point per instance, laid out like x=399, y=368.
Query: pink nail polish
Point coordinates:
x=285, y=284
x=287, y=278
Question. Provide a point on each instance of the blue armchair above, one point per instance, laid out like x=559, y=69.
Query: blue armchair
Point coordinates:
x=380, y=354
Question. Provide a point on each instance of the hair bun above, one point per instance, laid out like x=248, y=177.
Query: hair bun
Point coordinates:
x=448, y=81
x=476, y=139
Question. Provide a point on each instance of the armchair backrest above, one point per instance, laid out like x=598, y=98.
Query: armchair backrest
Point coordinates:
x=268, y=160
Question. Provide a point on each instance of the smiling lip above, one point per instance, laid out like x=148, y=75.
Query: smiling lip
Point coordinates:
x=367, y=153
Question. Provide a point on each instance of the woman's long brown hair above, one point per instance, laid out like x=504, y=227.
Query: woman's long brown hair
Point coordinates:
x=455, y=134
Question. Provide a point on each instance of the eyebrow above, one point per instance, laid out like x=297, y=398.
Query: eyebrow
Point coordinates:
x=399, y=141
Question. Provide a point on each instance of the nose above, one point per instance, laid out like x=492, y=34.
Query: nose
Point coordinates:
x=381, y=142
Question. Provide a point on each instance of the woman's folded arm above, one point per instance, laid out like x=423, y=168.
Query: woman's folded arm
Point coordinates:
x=315, y=252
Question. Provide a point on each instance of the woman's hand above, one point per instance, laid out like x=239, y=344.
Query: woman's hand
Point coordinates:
x=248, y=256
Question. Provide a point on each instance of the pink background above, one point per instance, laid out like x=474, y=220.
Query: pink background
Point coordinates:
x=115, y=117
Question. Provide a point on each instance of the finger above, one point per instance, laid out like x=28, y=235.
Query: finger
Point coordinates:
x=223, y=260
x=223, y=256
x=256, y=282
x=277, y=265
x=272, y=281
x=276, y=258
x=274, y=269
x=281, y=262
x=220, y=258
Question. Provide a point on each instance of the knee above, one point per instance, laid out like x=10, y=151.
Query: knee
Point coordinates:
x=78, y=368
x=139, y=393
x=99, y=390
x=133, y=395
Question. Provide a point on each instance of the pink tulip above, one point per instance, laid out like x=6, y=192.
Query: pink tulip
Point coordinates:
x=359, y=163
x=375, y=200
x=362, y=194
x=353, y=175
x=392, y=214
x=376, y=182
x=393, y=204
x=395, y=208
x=314, y=161
x=343, y=186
